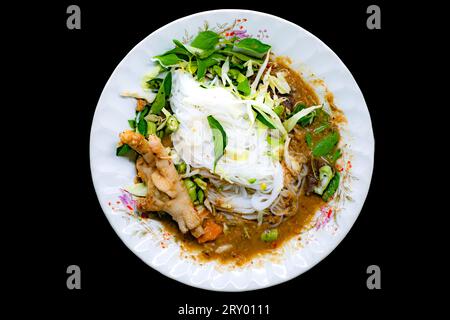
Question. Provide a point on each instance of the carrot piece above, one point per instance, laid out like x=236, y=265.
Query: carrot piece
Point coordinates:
x=212, y=231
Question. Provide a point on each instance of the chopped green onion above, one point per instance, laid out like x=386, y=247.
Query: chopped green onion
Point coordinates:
x=171, y=124
x=332, y=187
x=181, y=168
x=325, y=175
x=269, y=235
x=200, y=196
x=191, y=188
x=202, y=184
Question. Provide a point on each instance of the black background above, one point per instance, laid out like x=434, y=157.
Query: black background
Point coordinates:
x=74, y=65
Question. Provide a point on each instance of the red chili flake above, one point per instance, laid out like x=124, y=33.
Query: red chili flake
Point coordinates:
x=241, y=27
x=238, y=20
x=117, y=202
x=130, y=207
x=349, y=165
x=330, y=211
x=244, y=19
x=232, y=33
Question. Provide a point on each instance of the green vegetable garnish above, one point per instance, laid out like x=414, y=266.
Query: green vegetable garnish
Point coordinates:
x=336, y=155
x=181, y=168
x=269, y=235
x=162, y=95
x=252, y=47
x=200, y=196
x=240, y=56
x=290, y=123
x=191, y=188
x=279, y=110
x=308, y=138
x=123, y=150
x=168, y=60
x=264, y=118
x=306, y=120
x=151, y=128
x=205, y=40
x=244, y=87
x=332, y=187
x=200, y=183
x=142, y=127
x=320, y=128
x=219, y=139
x=154, y=84
x=132, y=123
x=252, y=180
x=326, y=145
x=325, y=175
x=171, y=124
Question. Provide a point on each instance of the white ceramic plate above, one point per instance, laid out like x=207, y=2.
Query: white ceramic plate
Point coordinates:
x=158, y=248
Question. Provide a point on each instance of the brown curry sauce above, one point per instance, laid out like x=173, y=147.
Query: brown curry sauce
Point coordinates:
x=244, y=236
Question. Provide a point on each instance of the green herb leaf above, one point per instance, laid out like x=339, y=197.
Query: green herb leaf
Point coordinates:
x=244, y=87
x=132, y=123
x=142, y=127
x=154, y=84
x=162, y=95
x=123, y=150
x=332, y=187
x=336, y=155
x=143, y=113
x=252, y=47
x=219, y=138
x=168, y=60
x=205, y=40
x=204, y=64
x=229, y=51
x=326, y=145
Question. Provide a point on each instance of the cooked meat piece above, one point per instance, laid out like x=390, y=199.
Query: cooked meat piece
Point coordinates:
x=166, y=191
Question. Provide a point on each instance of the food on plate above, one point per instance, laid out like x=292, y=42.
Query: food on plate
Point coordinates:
x=234, y=150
